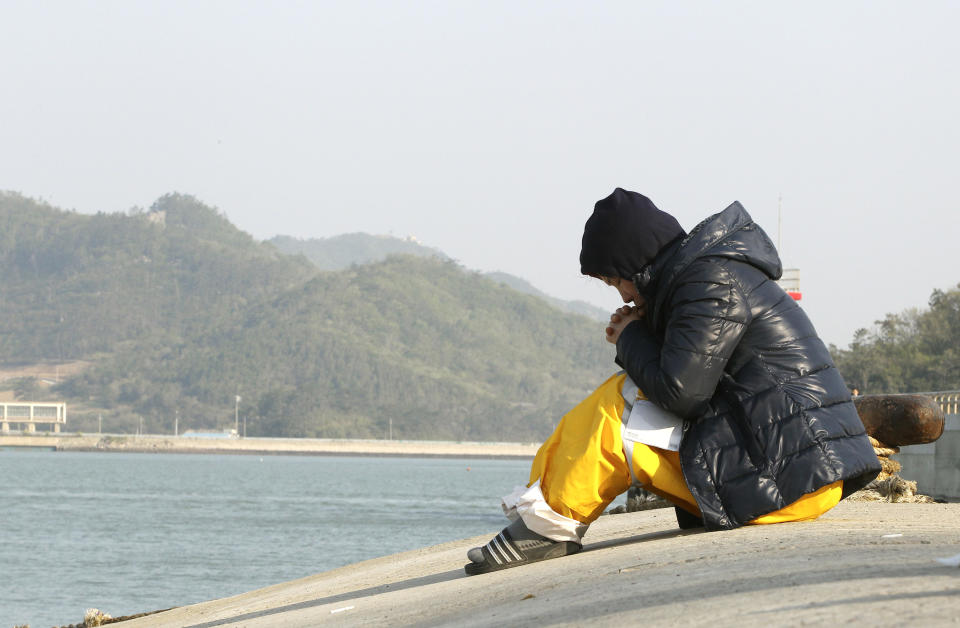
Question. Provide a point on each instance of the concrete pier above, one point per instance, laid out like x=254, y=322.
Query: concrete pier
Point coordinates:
x=869, y=564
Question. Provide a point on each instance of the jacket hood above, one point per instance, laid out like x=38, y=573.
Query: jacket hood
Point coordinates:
x=730, y=234
x=625, y=233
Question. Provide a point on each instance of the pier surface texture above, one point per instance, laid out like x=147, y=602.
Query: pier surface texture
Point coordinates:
x=861, y=564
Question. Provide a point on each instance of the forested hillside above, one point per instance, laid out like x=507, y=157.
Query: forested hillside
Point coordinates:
x=77, y=285
x=179, y=312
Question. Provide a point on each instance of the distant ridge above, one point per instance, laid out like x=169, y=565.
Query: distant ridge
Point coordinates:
x=342, y=251
x=339, y=252
x=575, y=307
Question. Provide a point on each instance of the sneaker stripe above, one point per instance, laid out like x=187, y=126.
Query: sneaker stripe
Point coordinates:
x=511, y=548
x=496, y=552
x=498, y=543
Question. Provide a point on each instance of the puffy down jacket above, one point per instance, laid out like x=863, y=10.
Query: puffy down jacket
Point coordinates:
x=768, y=417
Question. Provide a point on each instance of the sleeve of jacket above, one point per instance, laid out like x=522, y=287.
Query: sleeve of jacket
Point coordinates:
x=706, y=318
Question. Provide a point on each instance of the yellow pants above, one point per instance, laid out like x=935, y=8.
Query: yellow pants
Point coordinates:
x=582, y=466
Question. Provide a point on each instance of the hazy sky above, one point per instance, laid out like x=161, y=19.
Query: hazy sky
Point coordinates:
x=489, y=129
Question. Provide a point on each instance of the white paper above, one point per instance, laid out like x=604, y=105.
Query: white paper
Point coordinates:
x=651, y=425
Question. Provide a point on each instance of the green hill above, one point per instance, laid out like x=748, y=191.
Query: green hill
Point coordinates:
x=77, y=285
x=179, y=312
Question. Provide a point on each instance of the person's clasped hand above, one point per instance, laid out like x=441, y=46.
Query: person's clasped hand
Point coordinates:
x=620, y=319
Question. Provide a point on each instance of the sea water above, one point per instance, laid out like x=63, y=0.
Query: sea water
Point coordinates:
x=130, y=533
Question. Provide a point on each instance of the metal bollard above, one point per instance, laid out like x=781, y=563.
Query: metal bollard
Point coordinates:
x=897, y=420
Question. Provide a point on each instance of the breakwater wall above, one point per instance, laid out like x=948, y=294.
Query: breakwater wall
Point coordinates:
x=267, y=446
x=935, y=467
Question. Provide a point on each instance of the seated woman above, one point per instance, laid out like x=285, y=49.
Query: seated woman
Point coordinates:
x=730, y=405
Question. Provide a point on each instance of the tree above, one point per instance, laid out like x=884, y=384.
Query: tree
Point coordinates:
x=915, y=351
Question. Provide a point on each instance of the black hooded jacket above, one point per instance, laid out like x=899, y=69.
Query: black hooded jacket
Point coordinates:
x=768, y=417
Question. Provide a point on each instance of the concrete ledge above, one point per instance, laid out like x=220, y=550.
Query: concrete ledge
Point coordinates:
x=862, y=563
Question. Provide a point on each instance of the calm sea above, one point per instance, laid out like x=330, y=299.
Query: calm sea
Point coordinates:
x=129, y=533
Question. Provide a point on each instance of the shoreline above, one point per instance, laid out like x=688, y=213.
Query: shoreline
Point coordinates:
x=123, y=443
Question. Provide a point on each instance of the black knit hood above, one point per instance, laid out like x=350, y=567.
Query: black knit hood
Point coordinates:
x=624, y=234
